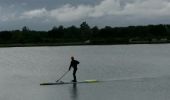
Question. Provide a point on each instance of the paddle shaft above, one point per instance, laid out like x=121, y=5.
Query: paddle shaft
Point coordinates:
x=62, y=76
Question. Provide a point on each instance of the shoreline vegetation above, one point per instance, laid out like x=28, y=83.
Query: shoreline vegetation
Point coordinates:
x=85, y=35
x=77, y=44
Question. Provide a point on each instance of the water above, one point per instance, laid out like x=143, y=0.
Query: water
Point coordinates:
x=140, y=72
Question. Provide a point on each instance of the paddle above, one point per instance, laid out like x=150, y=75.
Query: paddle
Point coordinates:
x=62, y=76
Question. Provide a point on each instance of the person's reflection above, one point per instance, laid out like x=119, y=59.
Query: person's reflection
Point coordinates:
x=74, y=92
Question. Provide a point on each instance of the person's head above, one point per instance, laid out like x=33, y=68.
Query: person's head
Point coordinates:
x=72, y=58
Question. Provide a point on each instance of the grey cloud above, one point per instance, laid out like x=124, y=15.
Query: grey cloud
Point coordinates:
x=49, y=4
x=97, y=12
x=144, y=9
x=71, y=13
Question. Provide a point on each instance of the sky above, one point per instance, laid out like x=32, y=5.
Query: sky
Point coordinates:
x=44, y=14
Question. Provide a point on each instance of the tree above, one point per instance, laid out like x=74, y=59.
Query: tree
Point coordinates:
x=95, y=31
x=72, y=32
x=5, y=36
x=25, y=29
x=56, y=32
x=85, y=30
x=60, y=31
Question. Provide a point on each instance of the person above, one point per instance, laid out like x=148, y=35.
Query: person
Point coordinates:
x=73, y=65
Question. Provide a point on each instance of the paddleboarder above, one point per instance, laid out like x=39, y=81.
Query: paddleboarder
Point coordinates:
x=73, y=65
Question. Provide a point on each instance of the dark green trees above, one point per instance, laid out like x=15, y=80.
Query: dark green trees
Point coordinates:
x=94, y=35
x=85, y=31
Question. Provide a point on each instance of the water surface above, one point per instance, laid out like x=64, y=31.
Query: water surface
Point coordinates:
x=139, y=72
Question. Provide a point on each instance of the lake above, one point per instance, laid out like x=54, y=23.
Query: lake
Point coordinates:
x=137, y=72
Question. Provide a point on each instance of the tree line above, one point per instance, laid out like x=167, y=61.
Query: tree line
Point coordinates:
x=92, y=35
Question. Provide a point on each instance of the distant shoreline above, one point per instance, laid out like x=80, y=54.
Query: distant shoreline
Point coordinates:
x=75, y=44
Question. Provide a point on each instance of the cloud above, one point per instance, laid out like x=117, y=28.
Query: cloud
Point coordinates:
x=147, y=8
x=138, y=8
x=106, y=7
x=5, y=16
x=64, y=14
x=68, y=13
x=34, y=13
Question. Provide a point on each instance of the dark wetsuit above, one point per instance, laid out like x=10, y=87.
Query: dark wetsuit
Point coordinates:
x=74, y=64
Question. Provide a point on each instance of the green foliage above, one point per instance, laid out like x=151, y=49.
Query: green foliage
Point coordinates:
x=72, y=34
x=85, y=31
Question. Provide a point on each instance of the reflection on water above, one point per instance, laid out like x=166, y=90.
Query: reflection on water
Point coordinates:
x=74, y=92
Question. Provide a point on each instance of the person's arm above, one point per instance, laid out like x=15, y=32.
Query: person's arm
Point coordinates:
x=70, y=66
x=78, y=62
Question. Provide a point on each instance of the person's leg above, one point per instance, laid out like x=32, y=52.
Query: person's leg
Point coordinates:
x=74, y=75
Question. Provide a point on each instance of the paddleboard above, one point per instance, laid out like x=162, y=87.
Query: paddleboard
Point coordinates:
x=61, y=82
